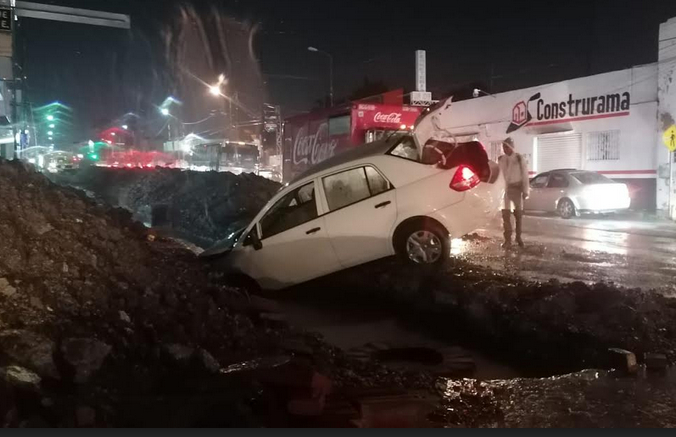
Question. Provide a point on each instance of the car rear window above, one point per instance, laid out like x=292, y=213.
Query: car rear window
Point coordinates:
x=591, y=178
x=406, y=149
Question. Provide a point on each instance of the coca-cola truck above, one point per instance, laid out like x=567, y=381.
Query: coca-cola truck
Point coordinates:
x=311, y=138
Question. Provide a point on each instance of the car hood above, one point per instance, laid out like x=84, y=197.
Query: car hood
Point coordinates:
x=224, y=246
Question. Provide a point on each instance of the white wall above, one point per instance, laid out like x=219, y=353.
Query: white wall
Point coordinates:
x=490, y=117
x=666, y=189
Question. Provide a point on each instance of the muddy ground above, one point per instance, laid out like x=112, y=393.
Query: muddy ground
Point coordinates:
x=105, y=323
x=537, y=329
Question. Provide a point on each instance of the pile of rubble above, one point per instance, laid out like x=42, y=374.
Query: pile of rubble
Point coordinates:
x=103, y=323
x=201, y=207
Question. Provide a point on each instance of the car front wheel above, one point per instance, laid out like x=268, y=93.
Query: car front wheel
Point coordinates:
x=424, y=243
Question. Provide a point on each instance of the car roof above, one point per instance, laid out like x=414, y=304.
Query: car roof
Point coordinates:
x=380, y=147
x=560, y=170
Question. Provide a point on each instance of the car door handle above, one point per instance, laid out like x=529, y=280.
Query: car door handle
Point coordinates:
x=313, y=231
x=383, y=205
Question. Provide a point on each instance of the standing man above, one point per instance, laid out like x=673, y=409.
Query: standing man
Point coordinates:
x=515, y=171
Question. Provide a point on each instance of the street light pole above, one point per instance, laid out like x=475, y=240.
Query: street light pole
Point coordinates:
x=330, y=56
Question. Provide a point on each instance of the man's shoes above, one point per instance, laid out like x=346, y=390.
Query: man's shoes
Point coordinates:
x=506, y=245
x=519, y=241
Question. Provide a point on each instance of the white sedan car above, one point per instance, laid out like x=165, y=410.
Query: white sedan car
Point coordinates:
x=570, y=192
x=375, y=201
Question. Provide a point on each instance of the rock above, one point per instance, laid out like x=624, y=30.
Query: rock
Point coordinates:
x=125, y=317
x=30, y=350
x=86, y=355
x=6, y=289
x=179, y=353
x=21, y=378
x=36, y=302
x=623, y=361
x=207, y=361
x=85, y=417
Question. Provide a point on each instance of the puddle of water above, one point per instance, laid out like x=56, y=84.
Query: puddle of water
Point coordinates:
x=350, y=329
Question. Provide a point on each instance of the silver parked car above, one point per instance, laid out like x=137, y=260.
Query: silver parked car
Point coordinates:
x=570, y=192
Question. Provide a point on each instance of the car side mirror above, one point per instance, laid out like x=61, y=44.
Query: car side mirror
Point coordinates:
x=256, y=241
x=253, y=240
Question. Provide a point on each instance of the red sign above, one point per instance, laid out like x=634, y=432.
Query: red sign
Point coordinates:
x=367, y=116
x=309, y=141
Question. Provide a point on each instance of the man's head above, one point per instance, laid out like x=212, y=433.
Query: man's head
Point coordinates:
x=508, y=146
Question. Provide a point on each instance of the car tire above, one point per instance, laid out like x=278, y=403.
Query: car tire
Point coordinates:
x=566, y=209
x=423, y=242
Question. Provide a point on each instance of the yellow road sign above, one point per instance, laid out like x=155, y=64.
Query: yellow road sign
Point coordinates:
x=670, y=138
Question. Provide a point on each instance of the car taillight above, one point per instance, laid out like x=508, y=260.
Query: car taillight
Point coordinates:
x=464, y=179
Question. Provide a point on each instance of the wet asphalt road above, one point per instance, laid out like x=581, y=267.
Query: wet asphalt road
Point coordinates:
x=629, y=250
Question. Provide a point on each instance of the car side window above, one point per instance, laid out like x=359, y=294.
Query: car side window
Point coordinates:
x=346, y=188
x=352, y=186
x=540, y=181
x=377, y=183
x=557, y=181
x=294, y=209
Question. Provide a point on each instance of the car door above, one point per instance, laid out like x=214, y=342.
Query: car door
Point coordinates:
x=295, y=244
x=361, y=211
x=538, y=188
x=556, y=186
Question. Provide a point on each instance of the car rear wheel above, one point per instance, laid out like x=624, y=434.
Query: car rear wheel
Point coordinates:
x=566, y=209
x=424, y=243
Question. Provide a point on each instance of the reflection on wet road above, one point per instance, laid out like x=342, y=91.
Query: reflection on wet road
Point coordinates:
x=632, y=253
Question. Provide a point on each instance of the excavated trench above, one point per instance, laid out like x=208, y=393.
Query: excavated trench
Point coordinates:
x=523, y=328
x=464, y=321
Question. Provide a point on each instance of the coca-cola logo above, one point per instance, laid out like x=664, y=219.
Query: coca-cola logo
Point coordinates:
x=313, y=149
x=394, y=117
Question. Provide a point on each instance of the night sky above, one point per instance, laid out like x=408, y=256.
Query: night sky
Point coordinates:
x=104, y=73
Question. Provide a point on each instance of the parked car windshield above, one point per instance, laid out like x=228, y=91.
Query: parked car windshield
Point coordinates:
x=591, y=178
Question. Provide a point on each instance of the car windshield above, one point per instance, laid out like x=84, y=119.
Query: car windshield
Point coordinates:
x=591, y=178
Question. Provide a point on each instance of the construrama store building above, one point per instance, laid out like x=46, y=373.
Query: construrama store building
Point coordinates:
x=606, y=123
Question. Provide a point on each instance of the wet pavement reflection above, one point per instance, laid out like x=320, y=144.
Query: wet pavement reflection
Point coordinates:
x=631, y=253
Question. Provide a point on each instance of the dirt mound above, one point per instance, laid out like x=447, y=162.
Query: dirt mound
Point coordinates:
x=201, y=207
x=104, y=323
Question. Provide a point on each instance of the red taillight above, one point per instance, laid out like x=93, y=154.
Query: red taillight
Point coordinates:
x=464, y=179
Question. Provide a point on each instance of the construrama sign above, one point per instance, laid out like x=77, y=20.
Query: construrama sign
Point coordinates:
x=573, y=109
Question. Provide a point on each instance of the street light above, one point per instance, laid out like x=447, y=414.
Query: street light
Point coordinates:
x=215, y=90
x=316, y=50
x=165, y=112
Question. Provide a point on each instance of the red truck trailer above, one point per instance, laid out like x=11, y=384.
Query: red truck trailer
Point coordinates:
x=311, y=138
